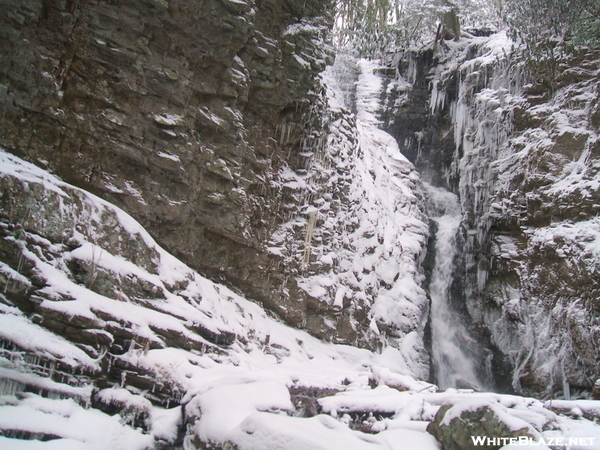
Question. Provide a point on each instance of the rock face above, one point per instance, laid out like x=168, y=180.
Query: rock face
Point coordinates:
x=208, y=122
x=180, y=112
x=523, y=157
x=100, y=326
x=59, y=244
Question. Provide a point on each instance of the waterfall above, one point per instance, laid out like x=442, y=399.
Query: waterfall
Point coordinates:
x=452, y=359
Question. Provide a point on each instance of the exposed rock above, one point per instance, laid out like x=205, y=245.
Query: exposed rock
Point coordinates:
x=305, y=399
x=134, y=411
x=179, y=112
x=90, y=249
x=209, y=124
x=577, y=409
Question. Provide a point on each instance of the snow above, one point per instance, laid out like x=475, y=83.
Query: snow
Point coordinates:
x=56, y=444
x=65, y=418
x=241, y=393
x=168, y=119
x=37, y=339
x=473, y=405
x=217, y=418
x=302, y=62
x=169, y=156
x=275, y=355
x=302, y=28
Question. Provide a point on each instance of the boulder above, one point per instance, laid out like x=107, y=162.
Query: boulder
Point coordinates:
x=481, y=425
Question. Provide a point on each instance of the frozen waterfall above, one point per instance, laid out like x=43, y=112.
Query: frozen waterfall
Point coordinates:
x=452, y=362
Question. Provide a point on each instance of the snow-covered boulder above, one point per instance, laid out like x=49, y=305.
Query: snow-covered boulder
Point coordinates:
x=460, y=426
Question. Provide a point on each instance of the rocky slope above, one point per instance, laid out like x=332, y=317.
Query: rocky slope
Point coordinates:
x=521, y=151
x=114, y=342
x=107, y=342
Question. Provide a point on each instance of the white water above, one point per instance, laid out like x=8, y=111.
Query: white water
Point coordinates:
x=450, y=339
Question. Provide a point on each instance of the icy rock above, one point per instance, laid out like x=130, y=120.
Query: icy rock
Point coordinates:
x=188, y=98
x=134, y=410
x=524, y=160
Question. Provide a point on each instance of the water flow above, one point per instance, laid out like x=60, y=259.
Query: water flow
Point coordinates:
x=453, y=365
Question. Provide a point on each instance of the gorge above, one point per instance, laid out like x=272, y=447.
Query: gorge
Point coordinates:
x=219, y=233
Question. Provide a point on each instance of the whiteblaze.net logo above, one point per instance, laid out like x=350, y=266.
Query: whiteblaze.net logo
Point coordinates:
x=525, y=440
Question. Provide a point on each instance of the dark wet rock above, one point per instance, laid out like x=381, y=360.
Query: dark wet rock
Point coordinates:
x=172, y=111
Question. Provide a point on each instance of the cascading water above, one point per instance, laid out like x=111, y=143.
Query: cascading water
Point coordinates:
x=453, y=364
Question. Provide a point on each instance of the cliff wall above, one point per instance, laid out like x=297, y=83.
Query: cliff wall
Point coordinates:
x=180, y=112
x=521, y=151
x=209, y=123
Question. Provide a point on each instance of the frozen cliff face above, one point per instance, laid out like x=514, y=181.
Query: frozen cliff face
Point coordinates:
x=523, y=158
x=545, y=252
x=355, y=231
x=209, y=123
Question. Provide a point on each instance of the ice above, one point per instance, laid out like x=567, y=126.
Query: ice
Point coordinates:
x=438, y=98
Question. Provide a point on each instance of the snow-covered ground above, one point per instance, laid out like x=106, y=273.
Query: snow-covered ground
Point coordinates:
x=236, y=387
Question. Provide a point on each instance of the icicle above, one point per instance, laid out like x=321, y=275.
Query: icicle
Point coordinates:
x=565, y=381
x=10, y=387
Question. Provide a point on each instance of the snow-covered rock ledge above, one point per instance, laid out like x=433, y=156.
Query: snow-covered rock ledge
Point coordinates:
x=108, y=342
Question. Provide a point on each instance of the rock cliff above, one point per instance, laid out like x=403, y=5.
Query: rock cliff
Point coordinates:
x=180, y=112
x=210, y=124
x=521, y=151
